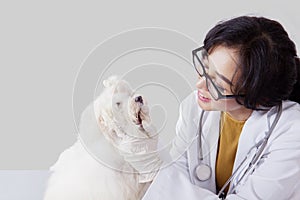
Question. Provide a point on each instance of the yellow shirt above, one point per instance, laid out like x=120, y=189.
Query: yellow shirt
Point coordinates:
x=230, y=130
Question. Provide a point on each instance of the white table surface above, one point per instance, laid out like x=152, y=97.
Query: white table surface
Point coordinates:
x=23, y=184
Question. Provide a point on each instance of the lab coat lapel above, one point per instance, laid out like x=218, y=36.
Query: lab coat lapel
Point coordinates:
x=210, y=136
x=253, y=131
x=210, y=131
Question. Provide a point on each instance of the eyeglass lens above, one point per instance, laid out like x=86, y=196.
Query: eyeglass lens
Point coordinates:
x=202, y=68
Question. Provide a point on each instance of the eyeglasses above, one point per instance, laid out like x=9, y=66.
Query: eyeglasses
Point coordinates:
x=201, y=61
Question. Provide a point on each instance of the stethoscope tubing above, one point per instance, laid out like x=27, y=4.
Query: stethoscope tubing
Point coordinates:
x=260, y=146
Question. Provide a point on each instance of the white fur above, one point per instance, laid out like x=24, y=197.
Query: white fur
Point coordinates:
x=92, y=168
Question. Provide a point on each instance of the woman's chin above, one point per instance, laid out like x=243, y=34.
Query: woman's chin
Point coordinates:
x=204, y=105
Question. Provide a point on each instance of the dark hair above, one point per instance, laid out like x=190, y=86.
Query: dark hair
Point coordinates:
x=268, y=62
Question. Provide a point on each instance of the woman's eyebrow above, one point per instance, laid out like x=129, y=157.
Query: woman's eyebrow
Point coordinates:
x=224, y=78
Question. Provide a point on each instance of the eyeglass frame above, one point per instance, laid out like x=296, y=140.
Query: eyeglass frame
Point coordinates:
x=220, y=95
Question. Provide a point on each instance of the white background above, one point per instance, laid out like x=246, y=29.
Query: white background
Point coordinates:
x=42, y=47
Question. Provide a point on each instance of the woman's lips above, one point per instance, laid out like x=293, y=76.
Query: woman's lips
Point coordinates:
x=202, y=98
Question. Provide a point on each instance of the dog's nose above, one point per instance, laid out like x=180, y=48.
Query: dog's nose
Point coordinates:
x=138, y=99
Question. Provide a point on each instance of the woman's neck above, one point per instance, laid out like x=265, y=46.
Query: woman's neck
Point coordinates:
x=241, y=114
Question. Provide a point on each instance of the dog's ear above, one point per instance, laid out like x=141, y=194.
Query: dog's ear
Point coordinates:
x=109, y=134
x=102, y=125
x=103, y=121
x=110, y=81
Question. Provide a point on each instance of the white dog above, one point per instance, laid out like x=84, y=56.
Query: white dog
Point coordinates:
x=94, y=167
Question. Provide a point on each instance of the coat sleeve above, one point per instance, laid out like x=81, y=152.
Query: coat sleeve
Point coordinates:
x=184, y=135
x=173, y=183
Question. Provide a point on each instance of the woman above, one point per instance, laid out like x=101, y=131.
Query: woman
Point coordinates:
x=246, y=111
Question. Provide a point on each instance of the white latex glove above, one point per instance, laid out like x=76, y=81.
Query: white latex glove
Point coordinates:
x=141, y=151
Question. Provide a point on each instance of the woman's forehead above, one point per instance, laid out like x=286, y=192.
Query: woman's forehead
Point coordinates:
x=224, y=60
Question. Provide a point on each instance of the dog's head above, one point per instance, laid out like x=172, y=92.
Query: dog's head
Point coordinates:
x=120, y=110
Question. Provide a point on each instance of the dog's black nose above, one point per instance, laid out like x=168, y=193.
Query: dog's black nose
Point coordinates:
x=138, y=99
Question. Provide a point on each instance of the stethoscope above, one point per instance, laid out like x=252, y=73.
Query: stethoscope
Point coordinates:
x=204, y=171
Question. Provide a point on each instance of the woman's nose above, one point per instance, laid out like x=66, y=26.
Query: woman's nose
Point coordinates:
x=201, y=83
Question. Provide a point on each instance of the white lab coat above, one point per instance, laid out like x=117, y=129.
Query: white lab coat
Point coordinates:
x=277, y=175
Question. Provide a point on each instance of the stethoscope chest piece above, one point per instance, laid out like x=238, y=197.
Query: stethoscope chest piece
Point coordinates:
x=203, y=172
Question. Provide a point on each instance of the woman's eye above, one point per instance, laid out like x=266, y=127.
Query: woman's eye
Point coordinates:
x=221, y=89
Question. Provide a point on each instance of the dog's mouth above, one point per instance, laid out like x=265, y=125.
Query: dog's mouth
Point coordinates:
x=138, y=118
x=137, y=105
